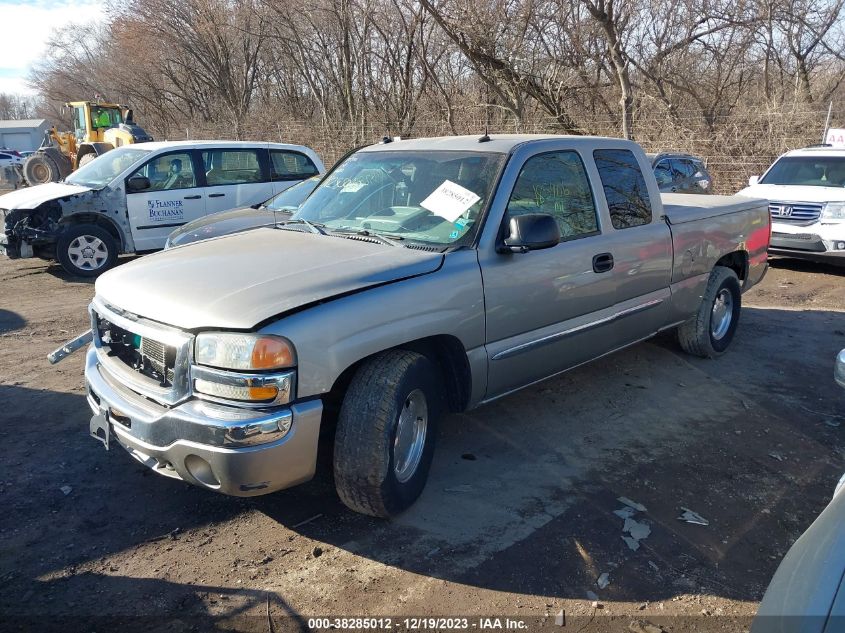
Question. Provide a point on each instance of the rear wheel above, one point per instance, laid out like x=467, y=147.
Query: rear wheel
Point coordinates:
x=709, y=333
x=86, y=250
x=41, y=168
x=386, y=431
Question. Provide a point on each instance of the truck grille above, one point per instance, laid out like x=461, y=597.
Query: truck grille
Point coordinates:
x=795, y=212
x=149, y=358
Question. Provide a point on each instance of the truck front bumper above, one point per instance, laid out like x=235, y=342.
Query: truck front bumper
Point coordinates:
x=236, y=451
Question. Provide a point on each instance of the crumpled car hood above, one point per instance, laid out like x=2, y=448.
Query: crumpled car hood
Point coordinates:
x=31, y=197
x=240, y=280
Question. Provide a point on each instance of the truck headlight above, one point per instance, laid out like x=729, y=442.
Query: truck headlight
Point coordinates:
x=230, y=350
x=833, y=211
x=247, y=368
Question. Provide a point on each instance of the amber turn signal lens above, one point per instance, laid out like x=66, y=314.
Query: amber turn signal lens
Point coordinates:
x=262, y=393
x=271, y=353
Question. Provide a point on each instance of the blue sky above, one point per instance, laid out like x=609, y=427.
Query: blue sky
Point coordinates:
x=25, y=27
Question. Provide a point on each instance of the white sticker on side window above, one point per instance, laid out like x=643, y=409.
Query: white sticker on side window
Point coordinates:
x=450, y=200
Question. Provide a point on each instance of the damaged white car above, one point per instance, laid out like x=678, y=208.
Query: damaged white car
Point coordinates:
x=130, y=199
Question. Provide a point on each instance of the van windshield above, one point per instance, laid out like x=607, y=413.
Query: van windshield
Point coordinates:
x=433, y=197
x=813, y=171
x=105, y=168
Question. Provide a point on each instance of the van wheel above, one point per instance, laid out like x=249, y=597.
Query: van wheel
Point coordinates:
x=386, y=432
x=709, y=333
x=86, y=250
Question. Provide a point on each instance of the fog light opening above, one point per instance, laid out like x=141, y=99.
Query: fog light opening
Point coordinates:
x=201, y=471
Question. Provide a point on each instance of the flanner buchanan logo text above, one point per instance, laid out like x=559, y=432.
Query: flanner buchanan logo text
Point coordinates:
x=165, y=209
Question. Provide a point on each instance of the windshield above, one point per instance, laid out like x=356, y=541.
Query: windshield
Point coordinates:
x=105, y=117
x=813, y=171
x=432, y=197
x=104, y=169
x=292, y=197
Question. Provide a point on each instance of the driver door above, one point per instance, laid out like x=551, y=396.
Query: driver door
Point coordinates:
x=173, y=199
x=549, y=310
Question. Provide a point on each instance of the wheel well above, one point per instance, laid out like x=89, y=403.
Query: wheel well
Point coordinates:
x=445, y=350
x=99, y=220
x=737, y=262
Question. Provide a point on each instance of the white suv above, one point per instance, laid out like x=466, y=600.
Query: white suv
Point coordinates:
x=806, y=193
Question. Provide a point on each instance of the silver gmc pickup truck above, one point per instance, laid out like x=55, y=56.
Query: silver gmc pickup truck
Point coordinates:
x=420, y=277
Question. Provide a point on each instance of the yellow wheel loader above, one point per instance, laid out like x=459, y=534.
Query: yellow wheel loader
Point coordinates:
x=97, y=128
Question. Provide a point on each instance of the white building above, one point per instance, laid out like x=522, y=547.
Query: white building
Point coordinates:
x=23, y=135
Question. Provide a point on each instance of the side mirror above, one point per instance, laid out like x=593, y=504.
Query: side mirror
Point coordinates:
x=531, y=232
x=138, y=183
x=753, y=180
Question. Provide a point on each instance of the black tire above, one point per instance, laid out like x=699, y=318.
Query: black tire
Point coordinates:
x=92, y=239
x=86, y=159
x=41, y=168
x=365, y=468
x=700, y=335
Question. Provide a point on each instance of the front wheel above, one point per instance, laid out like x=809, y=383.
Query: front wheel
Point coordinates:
x=710, y=331
x=86, y=250
x=386, y=431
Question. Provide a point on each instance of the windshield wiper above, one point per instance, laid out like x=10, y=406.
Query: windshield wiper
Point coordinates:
x=392, y=240
x=312, y=226
x=384, y=239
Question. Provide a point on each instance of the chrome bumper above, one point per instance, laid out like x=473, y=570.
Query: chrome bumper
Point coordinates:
x=236, y=451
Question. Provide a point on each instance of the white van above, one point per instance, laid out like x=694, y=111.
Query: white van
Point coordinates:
x=130, y=199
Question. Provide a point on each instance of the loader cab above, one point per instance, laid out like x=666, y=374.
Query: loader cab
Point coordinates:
x=90, y=121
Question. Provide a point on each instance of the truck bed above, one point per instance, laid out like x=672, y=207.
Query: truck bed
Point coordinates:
x=680, y=208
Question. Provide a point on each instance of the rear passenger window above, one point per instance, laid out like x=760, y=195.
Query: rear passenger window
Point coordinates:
x=287, y=165
x=683, y=167
x=231, y=166
x=624, y=187
x=556, y=183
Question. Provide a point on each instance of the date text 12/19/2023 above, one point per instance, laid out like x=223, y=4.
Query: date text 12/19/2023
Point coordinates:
x=418, y=623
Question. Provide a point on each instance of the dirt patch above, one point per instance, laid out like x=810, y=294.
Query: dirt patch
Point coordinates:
x=523, y=530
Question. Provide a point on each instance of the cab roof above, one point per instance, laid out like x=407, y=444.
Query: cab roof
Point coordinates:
x=498, y=143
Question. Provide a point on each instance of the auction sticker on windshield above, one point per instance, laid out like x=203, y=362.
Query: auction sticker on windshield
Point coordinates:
x=450, y=200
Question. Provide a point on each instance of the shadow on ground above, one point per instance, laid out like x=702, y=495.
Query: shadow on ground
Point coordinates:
x=805, y=266
x=531, y=512
x=10, y=321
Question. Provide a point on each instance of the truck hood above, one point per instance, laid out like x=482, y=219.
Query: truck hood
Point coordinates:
x=240, y=280
x=31, y=197
x=795, y=193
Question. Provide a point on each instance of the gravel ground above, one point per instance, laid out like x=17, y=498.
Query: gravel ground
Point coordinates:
x=518, y=517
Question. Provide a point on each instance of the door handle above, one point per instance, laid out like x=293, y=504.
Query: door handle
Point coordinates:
x=192, y=197
x=216, y=195
x=602, y=262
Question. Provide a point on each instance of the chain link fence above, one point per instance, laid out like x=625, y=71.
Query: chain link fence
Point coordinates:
x=734, y=146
